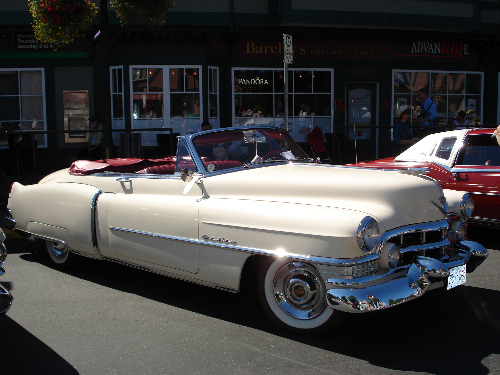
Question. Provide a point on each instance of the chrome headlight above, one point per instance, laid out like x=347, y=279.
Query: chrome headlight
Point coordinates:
x=3, y=253
x=368, y=234
x=466, y=206
x=458, y=231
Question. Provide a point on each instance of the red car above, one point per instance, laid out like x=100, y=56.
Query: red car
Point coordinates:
x=465, y=160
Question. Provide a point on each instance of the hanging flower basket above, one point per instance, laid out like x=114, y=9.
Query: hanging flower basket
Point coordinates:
x=143, y=12
x=57, y=22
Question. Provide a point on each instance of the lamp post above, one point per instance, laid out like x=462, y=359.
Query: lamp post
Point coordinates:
x=107, y=140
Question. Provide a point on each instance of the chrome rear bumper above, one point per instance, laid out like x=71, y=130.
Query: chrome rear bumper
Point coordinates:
x=404, y=284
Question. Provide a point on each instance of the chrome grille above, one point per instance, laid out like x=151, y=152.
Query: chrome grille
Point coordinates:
x=423, y=243
x=418, y=238
x=348, y=270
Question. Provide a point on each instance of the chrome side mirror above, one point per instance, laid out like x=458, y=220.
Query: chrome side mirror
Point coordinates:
x=187, y=175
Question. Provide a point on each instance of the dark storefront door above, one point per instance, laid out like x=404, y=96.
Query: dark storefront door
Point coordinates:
x=361, y=120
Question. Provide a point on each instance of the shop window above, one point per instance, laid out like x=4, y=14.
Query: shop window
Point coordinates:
x=258, y=97
x=23, y=103
x=165, y=97
x=452, y=91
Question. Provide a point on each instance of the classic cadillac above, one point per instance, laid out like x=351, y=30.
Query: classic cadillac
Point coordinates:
x=5, y=296
x=321, y=238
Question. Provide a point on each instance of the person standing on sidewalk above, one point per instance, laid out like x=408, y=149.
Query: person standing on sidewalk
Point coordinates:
x=427, y=119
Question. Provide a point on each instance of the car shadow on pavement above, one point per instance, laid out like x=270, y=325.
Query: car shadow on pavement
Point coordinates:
x=23, y=353
x=483, y=236
x=443, y=332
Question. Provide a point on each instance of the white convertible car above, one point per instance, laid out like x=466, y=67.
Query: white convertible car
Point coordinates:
x=321, y=238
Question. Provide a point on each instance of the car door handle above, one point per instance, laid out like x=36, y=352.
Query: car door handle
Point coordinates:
x=124, y=179
x=461, y=177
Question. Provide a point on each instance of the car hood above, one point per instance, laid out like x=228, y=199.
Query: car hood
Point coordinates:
x=394, y=198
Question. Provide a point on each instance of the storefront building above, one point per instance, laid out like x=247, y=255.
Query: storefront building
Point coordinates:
x=223, y=65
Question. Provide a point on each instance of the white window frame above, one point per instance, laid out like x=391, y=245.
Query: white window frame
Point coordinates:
x=117, y=122
x=44, y=105
x=214, y=121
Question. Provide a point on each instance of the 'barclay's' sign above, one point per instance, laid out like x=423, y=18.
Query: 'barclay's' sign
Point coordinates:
x=313, y=48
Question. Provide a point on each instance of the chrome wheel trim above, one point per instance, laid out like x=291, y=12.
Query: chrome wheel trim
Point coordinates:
x=296, y=294
x=58, y=250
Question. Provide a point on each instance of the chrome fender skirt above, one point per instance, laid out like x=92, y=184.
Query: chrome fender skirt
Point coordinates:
x=403, y=285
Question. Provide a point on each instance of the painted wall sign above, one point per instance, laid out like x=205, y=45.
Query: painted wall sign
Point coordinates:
x=27, y=41
x=313, y=48
x=321, y=48
x=444, y=51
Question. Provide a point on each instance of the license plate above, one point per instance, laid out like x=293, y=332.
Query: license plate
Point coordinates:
x=457, y=276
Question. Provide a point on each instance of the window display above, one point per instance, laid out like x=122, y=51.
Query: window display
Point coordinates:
x=166, y=97
x=23, y=103
x=259, y=98
x=452, y=92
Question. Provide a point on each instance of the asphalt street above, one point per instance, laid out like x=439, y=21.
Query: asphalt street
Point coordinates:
x=104, y=318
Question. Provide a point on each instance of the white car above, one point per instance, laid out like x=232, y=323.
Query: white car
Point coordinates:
x=321, y=238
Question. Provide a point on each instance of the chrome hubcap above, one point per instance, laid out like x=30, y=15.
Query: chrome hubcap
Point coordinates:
x=59, y=249
x=299, y=291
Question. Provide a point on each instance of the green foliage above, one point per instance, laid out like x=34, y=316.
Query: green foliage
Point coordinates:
x=57, y=22
x=143, y=12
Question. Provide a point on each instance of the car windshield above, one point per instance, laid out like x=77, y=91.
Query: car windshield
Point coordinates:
x=480, y=150
x=246, y=147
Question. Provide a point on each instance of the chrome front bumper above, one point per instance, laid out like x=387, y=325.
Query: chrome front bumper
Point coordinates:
x=401, y=285
x=5, y=296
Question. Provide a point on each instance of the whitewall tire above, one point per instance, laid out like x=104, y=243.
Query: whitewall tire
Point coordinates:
x=293, y=294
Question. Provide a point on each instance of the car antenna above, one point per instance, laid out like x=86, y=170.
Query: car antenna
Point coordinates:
x=355, y=137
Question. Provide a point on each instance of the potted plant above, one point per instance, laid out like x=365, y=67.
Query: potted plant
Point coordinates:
x=58, y=22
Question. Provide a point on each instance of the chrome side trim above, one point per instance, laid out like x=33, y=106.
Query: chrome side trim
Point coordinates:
x=472, y=170
x=33, y=236
x=93, y=223
x=484, y=221
x=277, y=253
x=485, y=194
x=173, y=275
